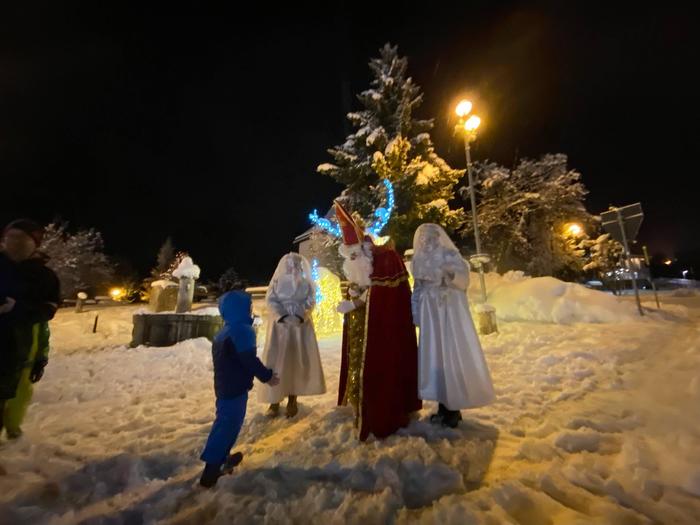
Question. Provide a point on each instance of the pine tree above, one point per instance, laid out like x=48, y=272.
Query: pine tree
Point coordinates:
x=605, y=255
x=166, y=255
x=385, y=121
x=569, y=254
x=420, y=197
x=230, y=280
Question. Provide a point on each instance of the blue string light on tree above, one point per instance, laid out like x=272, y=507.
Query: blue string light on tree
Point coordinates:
x=382, y=216
x=325, y=224
x=315, y=277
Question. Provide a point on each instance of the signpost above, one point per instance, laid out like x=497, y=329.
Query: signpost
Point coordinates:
x=651, y=280
x=623, y=225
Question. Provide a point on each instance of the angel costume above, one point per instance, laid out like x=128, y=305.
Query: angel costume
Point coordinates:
x=291, y=349
x=451, y=365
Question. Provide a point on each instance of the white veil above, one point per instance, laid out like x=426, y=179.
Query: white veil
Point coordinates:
x=292, y=270
x=431, y=247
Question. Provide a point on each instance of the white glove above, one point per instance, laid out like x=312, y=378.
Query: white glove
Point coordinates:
x=345, y=307
x=7, y=306
x=354, y=292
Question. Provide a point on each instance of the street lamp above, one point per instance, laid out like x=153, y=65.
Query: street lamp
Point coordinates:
x=467, y=127
x=574, y=229
x=463, y=108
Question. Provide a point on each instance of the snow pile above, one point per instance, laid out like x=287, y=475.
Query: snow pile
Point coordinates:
x=549, y=300
x=589, y=426
x=162, y=284
x=186, y=268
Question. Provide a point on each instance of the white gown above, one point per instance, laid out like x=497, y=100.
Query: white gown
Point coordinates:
x=291, y=349
x=451, y=364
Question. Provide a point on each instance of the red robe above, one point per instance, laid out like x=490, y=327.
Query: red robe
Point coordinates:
x=390, y=358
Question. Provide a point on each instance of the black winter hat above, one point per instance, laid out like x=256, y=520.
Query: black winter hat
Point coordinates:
x=28, y=226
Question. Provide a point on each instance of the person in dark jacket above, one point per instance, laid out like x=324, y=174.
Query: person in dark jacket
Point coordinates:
x=29, y=297
x=16, y=408
x=235, y=359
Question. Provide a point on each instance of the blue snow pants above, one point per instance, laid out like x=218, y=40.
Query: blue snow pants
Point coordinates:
x=230, y=414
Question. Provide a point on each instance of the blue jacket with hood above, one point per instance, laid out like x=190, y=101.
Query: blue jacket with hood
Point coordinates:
x=234, y=348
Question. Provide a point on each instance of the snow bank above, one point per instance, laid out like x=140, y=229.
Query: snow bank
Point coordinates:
x=549, y=300
x=590, y=426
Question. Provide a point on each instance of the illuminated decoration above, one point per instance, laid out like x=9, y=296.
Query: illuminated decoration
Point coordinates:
x=382, y=216
x=315, y=277
x=325, y=224
x=117, y=293
x=327, y=321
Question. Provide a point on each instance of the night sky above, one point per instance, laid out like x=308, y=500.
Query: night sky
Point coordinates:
x=208, y=126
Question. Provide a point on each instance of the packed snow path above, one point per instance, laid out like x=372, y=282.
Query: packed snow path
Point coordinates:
x=594, y=423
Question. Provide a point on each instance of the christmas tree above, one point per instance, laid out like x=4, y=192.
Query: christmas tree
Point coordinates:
x=389, y=138
x=166, y=255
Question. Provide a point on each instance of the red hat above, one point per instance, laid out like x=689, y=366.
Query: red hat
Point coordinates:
x=352, y=233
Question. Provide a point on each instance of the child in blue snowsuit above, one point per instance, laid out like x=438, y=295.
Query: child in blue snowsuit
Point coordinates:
x=235, y=365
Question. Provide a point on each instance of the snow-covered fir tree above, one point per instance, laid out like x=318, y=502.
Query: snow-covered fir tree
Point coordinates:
x=166, y=255
x=521, y=213
x=569, y=253
x=386, y=119
x=422, y=195
x=605, y=255
x=77, y=258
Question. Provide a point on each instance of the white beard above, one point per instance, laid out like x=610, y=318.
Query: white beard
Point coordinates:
x=357, y=271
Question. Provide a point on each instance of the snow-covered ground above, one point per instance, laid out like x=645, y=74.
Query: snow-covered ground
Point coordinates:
x=596, y=422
